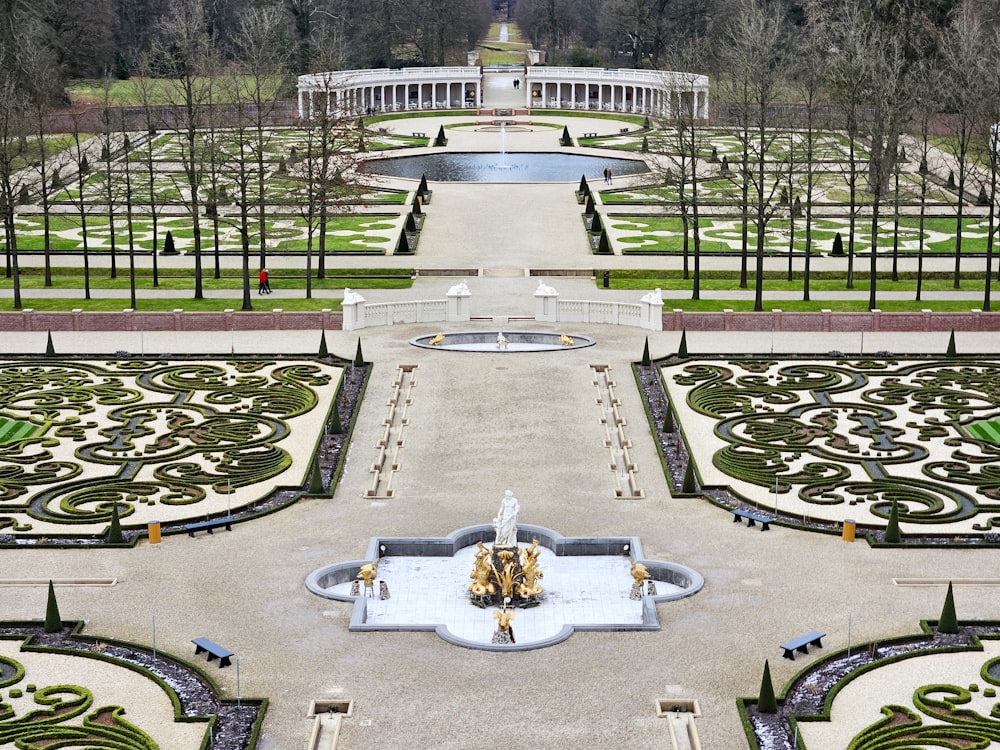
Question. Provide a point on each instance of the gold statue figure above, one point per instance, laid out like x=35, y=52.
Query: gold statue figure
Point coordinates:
x=437, y=339
x=639, y=573
x=531, y=572
x=566, y=340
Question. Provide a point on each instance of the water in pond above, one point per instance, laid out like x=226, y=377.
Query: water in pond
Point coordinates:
x=503, y=167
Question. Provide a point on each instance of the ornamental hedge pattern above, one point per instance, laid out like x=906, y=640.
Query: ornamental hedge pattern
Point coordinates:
x=159, y=440
x=845, y=439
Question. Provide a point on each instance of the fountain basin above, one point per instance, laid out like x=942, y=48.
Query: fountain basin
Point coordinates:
x=427, y=582
x=503, y=167
x=517, y=341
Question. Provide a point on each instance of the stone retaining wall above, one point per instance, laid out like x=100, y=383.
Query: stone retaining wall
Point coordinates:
x=827, y=321
x=177, y=320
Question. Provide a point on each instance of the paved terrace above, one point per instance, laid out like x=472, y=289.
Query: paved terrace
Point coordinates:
x=479, y=424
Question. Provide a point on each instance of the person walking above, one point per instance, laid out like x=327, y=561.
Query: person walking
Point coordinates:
x=265, y=283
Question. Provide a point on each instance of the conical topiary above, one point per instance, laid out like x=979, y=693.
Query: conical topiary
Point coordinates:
x=645, y=354
x=588, y=205
x=951, y=180
x=53, y=622
x=84, y=164
x=715, y=155
x=50, y=349
x=168, y=244
x=359, y=359
x=323, y=350
x=23, y=196
x=645, y=144
x=668, y=421
x=596, y=225
x=838, y=245
x=584, y=188
x=441, y=140
x=604, y=244
x=646, y=124
x=682, y=347
x=951, y=345
x=566, y=140
x=892, y=533
x=766, y=703
x=688, y=486
x=316, y=479
x=724, y=166
x=335, y=427
x=983, y=199
x=948, y=622
x=410, y=225
x=115, y=527
x=422, y=189
x=403, y=245
x=415, y=209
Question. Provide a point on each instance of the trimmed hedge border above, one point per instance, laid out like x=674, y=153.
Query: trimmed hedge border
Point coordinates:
x=229, y=726
x=800, y=700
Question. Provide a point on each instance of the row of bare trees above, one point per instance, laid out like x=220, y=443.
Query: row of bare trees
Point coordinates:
x=225, y=155
x=864, y=70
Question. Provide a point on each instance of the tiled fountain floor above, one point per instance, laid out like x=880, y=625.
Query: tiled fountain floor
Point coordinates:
x=578, y=590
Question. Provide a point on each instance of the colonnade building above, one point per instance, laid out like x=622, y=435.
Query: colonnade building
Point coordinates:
x=647, y=92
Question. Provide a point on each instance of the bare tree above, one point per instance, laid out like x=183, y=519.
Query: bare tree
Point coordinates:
x=82, y=172
x=261, y=75
x=184, y=54
x=13, y=144
x=755, y=55
x=963, y=46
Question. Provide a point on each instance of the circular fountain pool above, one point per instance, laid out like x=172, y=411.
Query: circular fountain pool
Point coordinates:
x=503, y=167
x=511, y=341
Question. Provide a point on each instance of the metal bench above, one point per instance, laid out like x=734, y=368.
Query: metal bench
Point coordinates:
x=752, y=518
x=802, y=644
x=213, y=523
x=214, y=650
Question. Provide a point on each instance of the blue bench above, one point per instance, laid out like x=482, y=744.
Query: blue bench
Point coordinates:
x=214, y=523
x=802, y=644
x=752, y=518
x=215, y=651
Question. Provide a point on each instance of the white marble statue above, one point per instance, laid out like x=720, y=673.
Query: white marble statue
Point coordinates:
x=545, y=290
x=506, y=521
x=501, y=340
x=459, y=289
x=351, y=297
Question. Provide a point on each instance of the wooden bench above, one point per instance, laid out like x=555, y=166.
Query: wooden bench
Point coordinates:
x=752, y=518
x=802, y=644
x=419, y=135
x=215, y=651
x=213, y=523
x=590, y=135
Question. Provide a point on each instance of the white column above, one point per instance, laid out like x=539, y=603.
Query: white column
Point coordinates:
x=652, y=311
x=302, y=113
x=546, y=304
x=458, y=303
x=354, y=311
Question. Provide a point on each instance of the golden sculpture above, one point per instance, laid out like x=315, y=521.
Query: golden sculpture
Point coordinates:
x=481, y=585
x=530, y=571
x=639, y=573
x=503, y=618
x=504, y=633
x=437, y=339
x=566, y=340
x=368, y=573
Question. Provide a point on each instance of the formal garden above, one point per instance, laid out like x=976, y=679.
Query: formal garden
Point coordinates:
x=98, y=451
x=904, y=450
x=60, y=687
